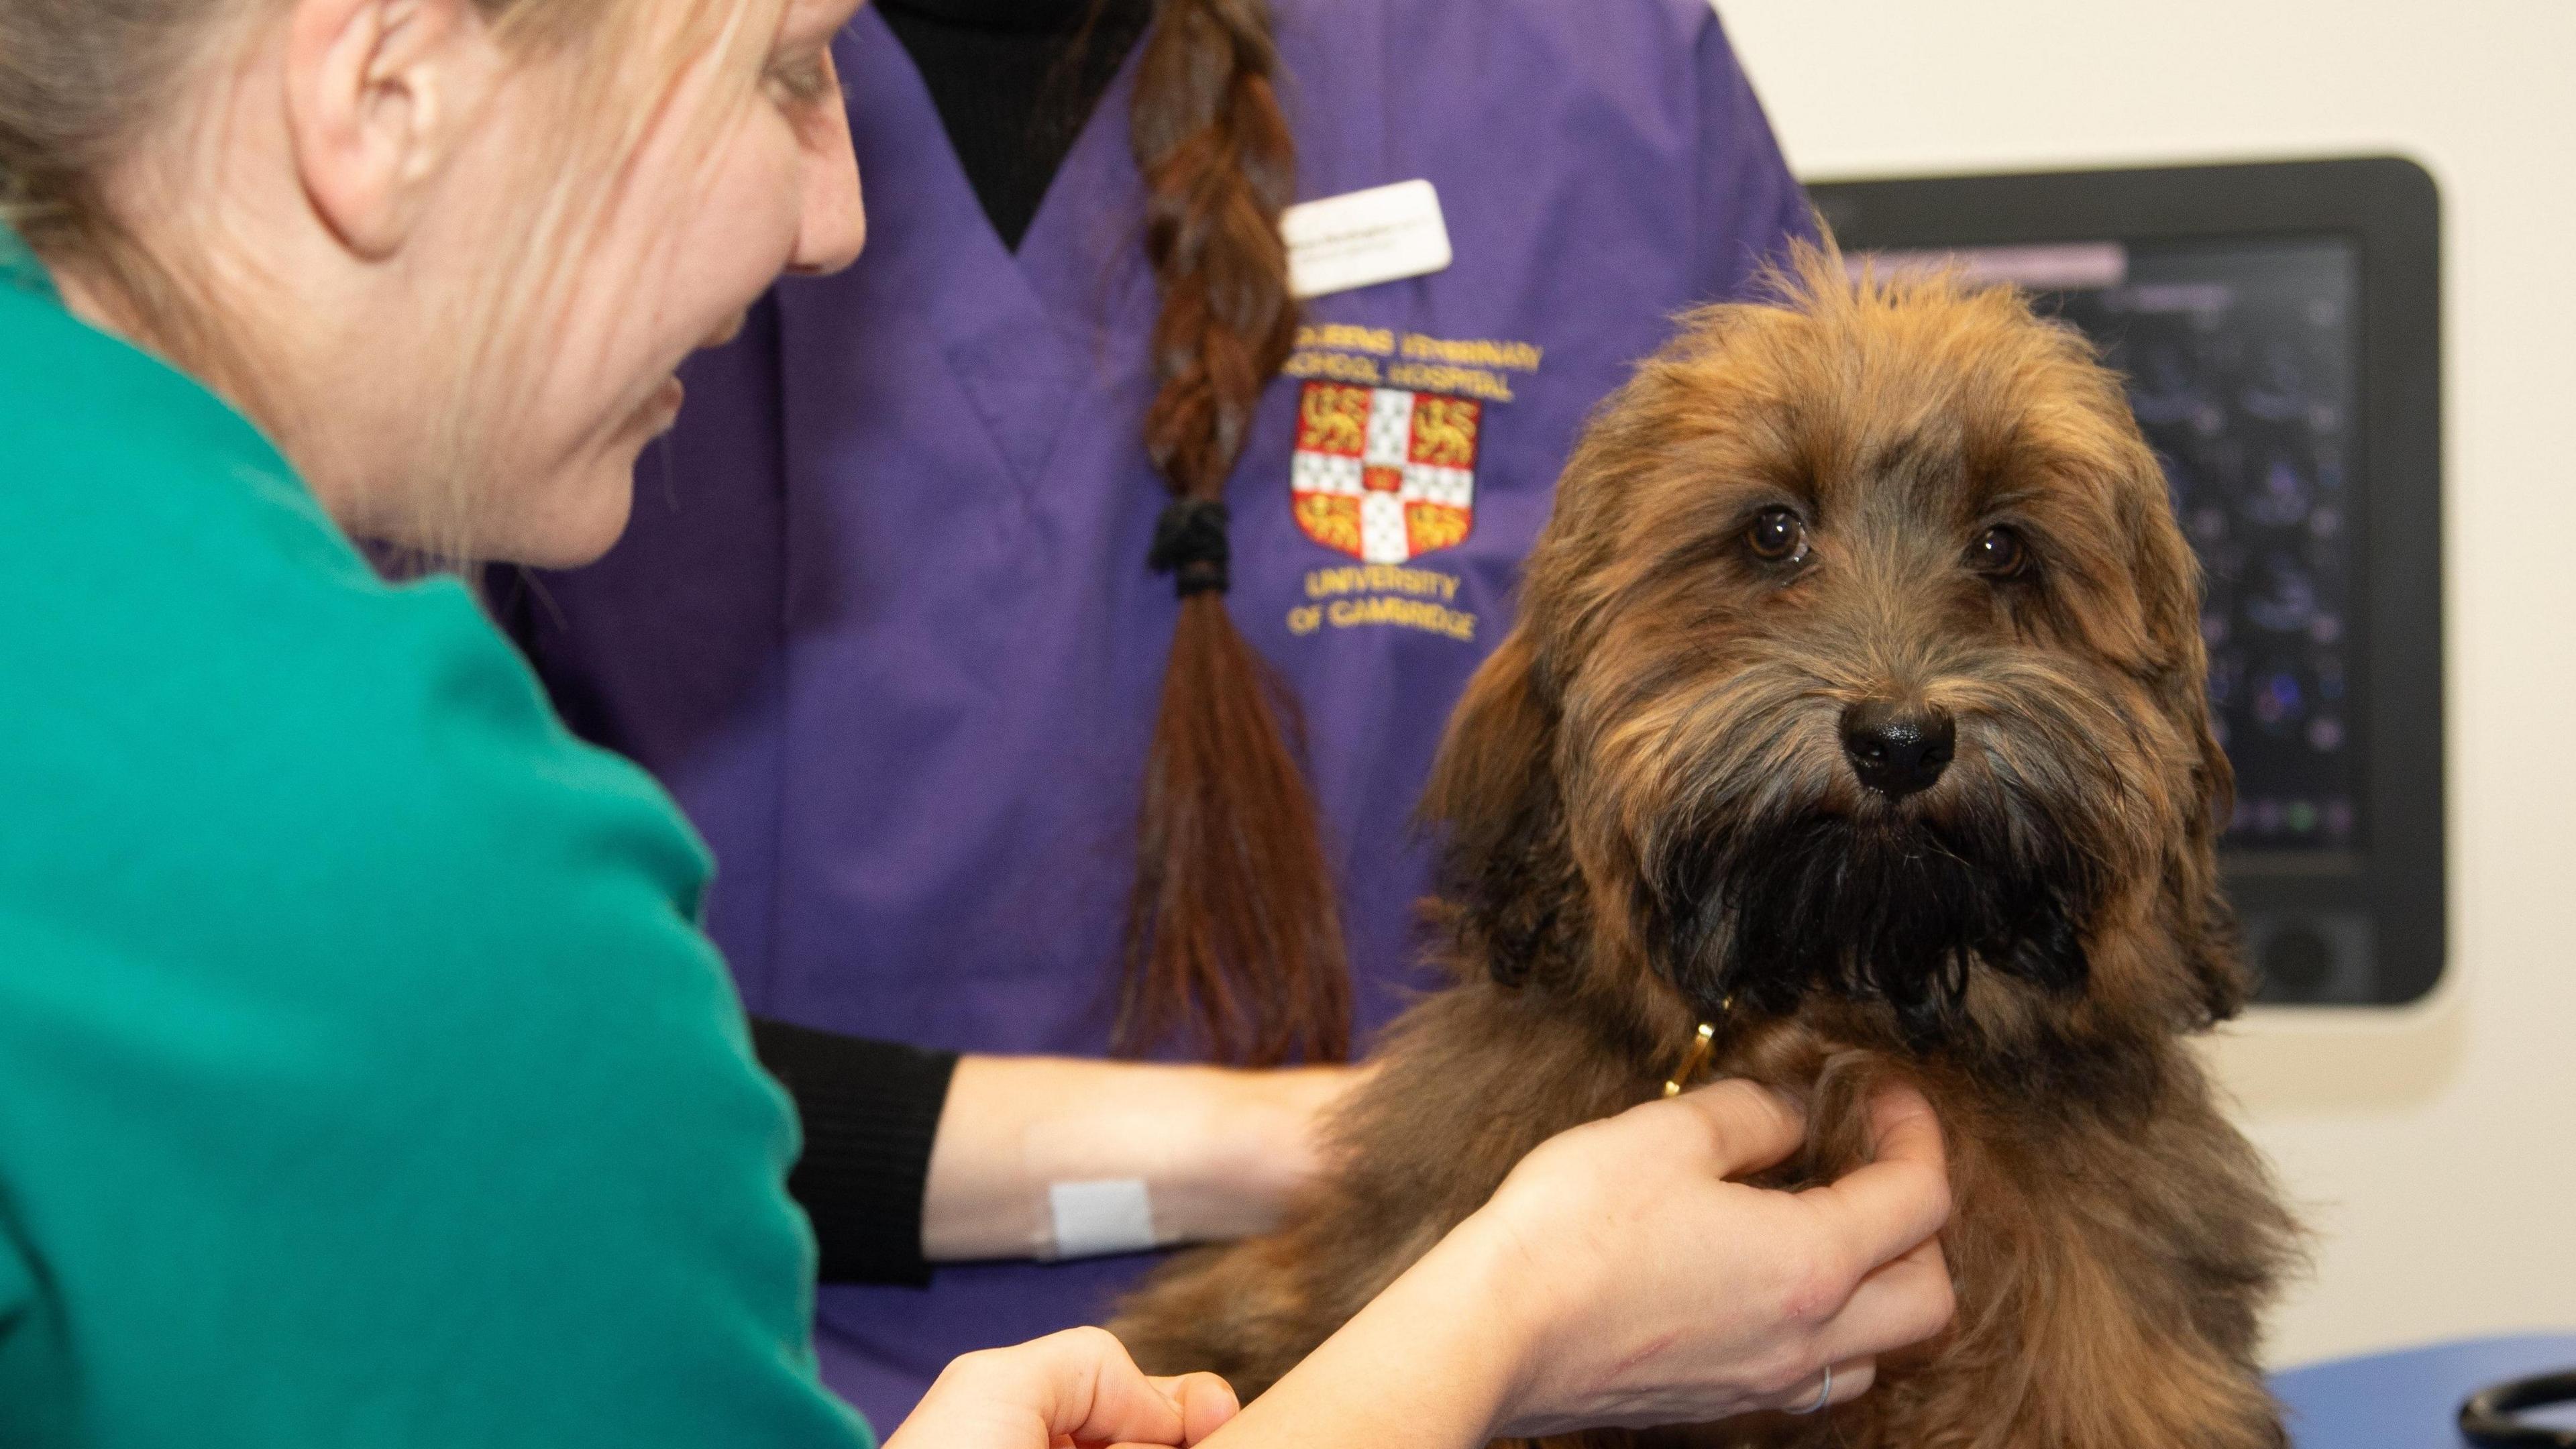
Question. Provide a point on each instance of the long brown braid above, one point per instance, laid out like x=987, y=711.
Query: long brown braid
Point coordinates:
x=1233, y=930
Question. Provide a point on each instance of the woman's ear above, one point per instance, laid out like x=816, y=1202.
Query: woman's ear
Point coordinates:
x=1507, y=875
x=379, y=94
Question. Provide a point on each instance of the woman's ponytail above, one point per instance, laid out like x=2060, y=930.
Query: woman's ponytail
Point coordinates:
x=1232, y=931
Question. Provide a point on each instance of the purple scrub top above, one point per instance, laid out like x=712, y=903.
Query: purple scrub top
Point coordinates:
x=883, y=622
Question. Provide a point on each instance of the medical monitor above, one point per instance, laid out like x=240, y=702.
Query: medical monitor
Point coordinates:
x=2278, y=329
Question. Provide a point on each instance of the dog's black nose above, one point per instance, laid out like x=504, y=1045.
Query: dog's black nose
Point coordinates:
x=1898, y=750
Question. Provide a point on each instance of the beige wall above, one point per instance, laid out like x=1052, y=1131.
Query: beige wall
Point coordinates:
x=2435, y=1150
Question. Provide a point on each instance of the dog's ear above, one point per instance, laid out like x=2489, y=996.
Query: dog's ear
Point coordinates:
x=2212, y=948
x=2169, y=583
x=1512, y=896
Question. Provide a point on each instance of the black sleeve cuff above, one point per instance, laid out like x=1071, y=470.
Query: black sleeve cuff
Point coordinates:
x=869, y=1110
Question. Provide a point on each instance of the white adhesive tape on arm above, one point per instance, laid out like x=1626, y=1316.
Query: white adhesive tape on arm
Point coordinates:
x=1096, y=1219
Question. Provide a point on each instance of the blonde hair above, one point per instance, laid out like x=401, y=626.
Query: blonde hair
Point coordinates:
x=83, y=83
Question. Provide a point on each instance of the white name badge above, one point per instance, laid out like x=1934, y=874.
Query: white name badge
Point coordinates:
x=1383, y=234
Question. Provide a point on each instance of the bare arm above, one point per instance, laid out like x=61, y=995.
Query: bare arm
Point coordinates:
x=913, y=1156
x=1217, y=1150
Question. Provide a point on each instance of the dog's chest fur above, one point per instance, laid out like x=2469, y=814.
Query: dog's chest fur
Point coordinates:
x=2063, y=1263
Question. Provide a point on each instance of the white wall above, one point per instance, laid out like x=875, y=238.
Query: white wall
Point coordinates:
x=2434, y=1150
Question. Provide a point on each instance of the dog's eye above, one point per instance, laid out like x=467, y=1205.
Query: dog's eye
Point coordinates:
x=1998, y=553
x=1776, y=535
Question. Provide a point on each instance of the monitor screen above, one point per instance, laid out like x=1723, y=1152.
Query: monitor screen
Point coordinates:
x=2241, y=359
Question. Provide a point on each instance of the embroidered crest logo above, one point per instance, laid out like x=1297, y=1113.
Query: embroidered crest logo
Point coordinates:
x=1382, y=474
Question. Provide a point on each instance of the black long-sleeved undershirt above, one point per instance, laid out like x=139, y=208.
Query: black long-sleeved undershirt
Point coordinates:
x=1013, y=81
x=870, y=1111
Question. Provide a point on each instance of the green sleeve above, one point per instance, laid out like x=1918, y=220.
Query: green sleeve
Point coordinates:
x=364, y=1079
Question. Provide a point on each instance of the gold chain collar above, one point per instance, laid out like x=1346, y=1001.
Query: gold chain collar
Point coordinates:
x=1695, y=1059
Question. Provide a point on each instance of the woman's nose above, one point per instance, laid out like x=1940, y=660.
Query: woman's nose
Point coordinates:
x=834, y=225
x=835, y=228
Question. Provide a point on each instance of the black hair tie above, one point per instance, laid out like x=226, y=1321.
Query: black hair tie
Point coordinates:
x=1190, y=545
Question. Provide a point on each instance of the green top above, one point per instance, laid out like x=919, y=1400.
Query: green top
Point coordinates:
x=364, y=1078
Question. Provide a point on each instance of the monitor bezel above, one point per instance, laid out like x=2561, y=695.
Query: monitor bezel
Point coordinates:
x=2390, y=208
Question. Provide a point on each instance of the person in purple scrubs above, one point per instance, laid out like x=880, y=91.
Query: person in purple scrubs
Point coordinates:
x=1009, y=739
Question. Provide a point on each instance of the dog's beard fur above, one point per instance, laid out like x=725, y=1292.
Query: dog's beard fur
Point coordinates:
x=1774, y=876
x=1891, y=906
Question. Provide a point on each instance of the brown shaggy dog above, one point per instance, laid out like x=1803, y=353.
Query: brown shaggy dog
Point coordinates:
x=1854, y=707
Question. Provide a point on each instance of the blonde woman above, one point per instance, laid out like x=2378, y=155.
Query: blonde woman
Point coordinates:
x=364, y=1078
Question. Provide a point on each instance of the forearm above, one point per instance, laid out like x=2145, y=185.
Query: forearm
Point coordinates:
x=1217, y=1151
x=1429, y=1364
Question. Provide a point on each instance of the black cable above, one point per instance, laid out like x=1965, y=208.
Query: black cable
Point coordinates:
x=2488, y=1418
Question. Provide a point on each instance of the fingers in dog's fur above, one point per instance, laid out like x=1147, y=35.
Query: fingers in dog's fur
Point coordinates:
x=1888, y=1206
x=1749, y=1127
x=1898, y=1305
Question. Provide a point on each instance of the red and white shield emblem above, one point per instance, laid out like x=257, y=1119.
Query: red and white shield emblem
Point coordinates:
x=1383, y=474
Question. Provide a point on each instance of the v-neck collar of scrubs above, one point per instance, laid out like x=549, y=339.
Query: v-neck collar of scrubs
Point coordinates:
x=1022, y=332
x=19, y=267
x=1027, y=333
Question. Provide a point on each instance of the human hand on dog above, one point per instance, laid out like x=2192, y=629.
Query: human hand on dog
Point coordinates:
x=1072, y=1390
x=1655, y=1290
x=1619, y=1278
